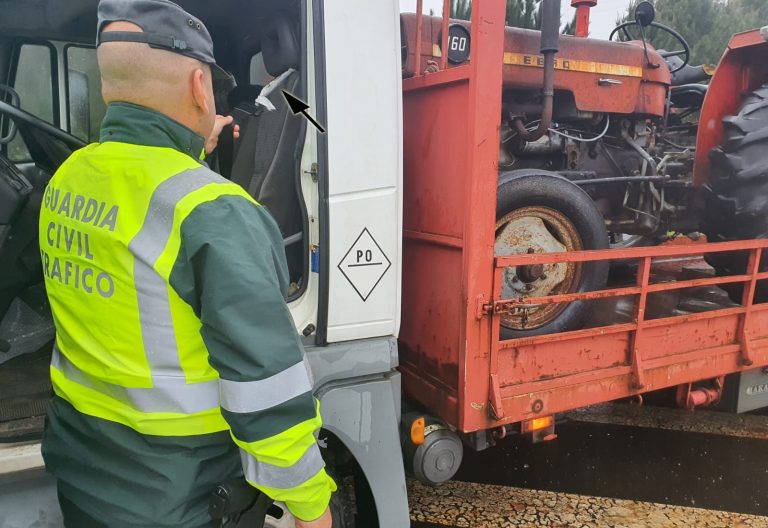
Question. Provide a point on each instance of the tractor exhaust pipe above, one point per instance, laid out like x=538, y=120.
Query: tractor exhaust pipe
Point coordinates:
x=550, y=44
x=550, y=26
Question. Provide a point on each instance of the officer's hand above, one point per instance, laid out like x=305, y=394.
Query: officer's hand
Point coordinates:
x=325, y=521
x=218, y=125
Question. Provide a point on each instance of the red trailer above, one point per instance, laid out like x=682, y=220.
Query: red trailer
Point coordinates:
x=454, y=361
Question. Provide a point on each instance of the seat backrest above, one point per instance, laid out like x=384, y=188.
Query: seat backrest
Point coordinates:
x=265, y=162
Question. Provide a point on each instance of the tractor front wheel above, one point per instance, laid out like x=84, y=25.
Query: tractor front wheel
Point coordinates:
x=541, y=212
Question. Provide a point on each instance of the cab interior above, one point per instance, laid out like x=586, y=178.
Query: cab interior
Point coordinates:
x=50, y=105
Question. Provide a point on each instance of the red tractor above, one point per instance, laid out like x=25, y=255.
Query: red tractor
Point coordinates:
x=614, y=145
x=543, y=202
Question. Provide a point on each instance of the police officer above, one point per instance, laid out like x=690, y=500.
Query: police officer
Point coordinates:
x=176, y=365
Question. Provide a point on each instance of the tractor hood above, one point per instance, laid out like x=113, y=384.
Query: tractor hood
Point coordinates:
x=603, y=76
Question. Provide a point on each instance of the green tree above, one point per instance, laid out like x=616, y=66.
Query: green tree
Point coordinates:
x=570, y=27
x=523, y=14
x=520, y=13
x=707, y=25
x=461, y=9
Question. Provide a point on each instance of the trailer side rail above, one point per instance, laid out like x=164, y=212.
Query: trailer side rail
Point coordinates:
x=552, y=373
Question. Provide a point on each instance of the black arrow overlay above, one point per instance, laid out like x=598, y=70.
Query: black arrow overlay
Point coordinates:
x=300, y=107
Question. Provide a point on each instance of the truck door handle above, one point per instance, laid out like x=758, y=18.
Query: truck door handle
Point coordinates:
x=609, y=82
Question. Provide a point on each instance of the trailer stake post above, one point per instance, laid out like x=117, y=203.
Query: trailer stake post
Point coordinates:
x=748, y=296
x=643, y=276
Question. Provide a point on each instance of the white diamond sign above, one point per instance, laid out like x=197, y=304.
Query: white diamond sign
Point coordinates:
x=364, y=265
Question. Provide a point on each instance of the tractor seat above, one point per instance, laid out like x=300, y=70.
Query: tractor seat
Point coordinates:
x=688, y=95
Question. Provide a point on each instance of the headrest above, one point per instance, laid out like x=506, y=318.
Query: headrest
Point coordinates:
x=280, y=45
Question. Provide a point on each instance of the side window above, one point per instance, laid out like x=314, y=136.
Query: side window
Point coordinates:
x=86, y=108
x=34, y=83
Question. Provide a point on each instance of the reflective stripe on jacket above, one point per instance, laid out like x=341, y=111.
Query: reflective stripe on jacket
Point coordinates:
x=137, y=240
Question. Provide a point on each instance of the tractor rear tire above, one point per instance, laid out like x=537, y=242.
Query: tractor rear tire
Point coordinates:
x=546, y=207
x=737, y=192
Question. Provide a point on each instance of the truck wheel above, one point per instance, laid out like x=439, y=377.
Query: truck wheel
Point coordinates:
x=541, y=212
x=737, y=201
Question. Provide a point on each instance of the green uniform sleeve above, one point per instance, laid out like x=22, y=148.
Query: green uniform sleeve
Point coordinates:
x=231, y=269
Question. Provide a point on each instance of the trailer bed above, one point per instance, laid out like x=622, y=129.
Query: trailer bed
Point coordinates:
x=453, y=360
x=652, y=343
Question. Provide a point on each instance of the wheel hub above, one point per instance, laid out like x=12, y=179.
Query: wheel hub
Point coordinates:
x=536, y=230
x=531, y=273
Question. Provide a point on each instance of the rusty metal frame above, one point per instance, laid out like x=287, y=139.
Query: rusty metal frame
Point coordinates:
x=444, y=34
x=501, y=391
x=461, y=248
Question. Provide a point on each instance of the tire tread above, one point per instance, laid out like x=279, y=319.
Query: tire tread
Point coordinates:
x=737, y=197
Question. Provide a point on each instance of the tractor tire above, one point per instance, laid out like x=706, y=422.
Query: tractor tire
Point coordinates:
x=737, y=193
x=542, y=212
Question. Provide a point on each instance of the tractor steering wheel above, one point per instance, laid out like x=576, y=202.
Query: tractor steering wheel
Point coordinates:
x=685, y=52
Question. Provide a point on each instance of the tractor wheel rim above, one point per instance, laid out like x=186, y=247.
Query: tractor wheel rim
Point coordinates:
x=537, y=229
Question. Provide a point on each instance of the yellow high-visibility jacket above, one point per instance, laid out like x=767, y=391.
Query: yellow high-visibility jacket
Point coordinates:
x=167, y=285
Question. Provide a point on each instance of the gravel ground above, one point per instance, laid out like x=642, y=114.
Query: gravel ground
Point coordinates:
x=700, y=421
x=468, y=505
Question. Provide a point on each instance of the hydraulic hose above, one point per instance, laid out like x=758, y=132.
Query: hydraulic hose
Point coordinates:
x=550, y=44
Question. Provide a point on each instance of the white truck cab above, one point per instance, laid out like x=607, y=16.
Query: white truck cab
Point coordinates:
x=336, y=196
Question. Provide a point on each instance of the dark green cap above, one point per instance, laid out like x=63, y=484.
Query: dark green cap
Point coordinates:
x=165, y=25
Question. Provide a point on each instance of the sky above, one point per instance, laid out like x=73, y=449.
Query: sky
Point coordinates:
x=603, y=16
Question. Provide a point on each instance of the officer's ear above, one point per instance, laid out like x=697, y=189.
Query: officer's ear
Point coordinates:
x=201, y=91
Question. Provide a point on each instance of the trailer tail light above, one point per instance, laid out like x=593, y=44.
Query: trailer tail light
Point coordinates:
x=529, y=426
x=417, y=431
x=542, y=429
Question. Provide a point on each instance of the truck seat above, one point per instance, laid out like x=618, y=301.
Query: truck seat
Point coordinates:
x=265, y=160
